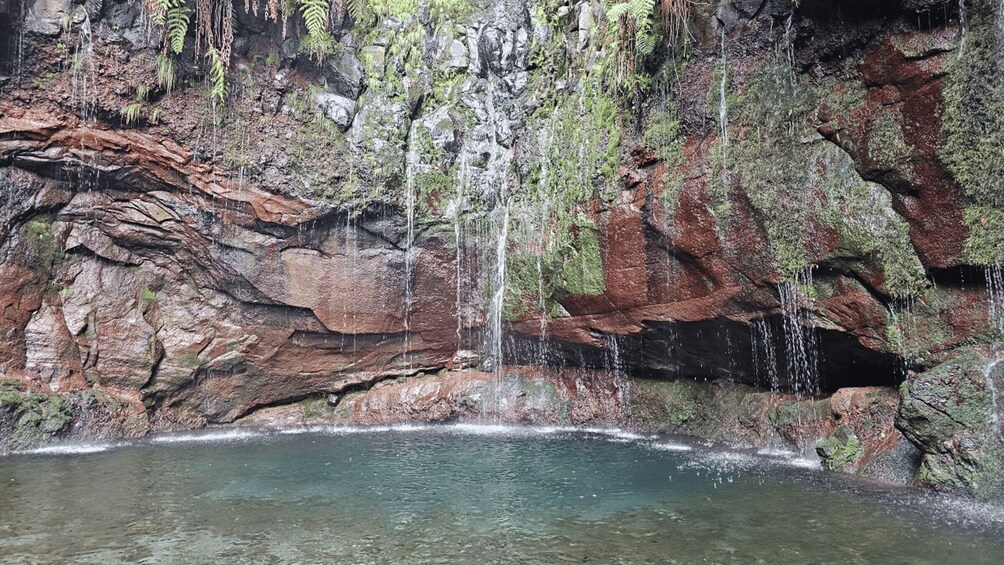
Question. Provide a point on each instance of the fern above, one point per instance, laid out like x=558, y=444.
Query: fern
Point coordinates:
x=130, y=113
x=177, y=24
x=157, y=10
x=165, y=72
x=217, y=76
x=315, y=16
x=360, y=12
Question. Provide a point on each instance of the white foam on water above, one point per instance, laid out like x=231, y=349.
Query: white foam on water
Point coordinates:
x=801, y=462
x=969, y=511
x=349, y=429
x=667, y=446
x=209, y=437
x=68, y=449
x=776, y=452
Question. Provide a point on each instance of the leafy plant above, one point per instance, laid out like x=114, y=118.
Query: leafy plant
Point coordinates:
x=178, y=14
x=315, y=19
x=130, y=113
x=165, y=72
x=217, y=76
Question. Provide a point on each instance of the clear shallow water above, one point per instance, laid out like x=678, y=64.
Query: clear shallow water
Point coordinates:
x=464, y=495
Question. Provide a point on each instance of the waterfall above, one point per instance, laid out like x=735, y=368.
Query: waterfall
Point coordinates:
x=764, y=355
x=84, y=93
x=458, y=210
x=497, y=178
x=723, y=116
x=799, y=334
x=992, y=388
x=409, y=255
x=995, y=297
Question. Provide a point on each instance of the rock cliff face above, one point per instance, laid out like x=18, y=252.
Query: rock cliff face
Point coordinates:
x=779, y=195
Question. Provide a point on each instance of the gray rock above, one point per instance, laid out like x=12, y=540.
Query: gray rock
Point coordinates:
x=344, y=75
x=125, y=21
x=457, y=57
x=338, y=109
x=440, y=128
x=46, y=17
x=586, y=22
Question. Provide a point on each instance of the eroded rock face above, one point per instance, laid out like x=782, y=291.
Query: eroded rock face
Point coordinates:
x=191, y=267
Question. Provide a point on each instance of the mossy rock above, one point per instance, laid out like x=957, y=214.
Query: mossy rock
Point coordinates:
x=36, y=417
x=840, y=450
x=947, y=413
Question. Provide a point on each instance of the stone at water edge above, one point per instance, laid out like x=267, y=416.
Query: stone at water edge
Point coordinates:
x=946, y=413
x=840, y=449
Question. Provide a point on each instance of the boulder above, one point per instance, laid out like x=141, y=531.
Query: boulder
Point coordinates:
x=338, y=109
x=948, y=412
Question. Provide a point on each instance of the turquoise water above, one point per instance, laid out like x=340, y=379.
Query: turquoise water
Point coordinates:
x=465, y=495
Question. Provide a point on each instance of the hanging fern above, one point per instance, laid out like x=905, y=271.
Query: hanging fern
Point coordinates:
x=130, y=113
x=315, y=19
x=360, y=12
x=177, y=24
x=165, y=72
x=217, y=76
x=633, y=25
x=315, y=16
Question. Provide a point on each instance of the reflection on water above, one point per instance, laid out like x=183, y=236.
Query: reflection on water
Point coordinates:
x=465, y=495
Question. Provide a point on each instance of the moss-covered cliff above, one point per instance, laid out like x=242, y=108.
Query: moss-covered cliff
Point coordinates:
x=214, y=207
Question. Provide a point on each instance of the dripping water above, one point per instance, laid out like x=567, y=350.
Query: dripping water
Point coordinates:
x=409, y=252
x=995, y=297
x=988, y=374
x=799, y=334
x=764, y=355
x=84, y=76
x=723, y=115
x=612, y=360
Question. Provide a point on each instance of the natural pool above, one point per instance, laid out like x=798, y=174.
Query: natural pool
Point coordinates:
x=465, y=494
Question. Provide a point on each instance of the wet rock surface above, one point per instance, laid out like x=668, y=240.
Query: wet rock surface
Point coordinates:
x=200, y=264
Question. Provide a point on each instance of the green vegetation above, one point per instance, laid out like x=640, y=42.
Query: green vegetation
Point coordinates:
x=973, y=124
x=217, y=79
x=38, y=416
x=664, y=136
x=840, y=449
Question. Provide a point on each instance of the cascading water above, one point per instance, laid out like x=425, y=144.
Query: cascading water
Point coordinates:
x=84, y=94
x=409, y=254
x=988, y=374
x=995, y=297
x=995, y=315
x=614, y=367
x=799, y=334
x=764, y=356
x=723, y=115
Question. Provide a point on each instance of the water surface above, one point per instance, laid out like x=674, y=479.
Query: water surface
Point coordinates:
x=465, y=495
